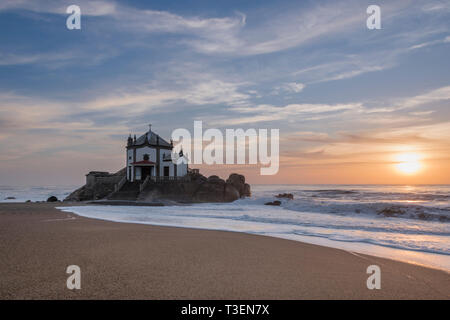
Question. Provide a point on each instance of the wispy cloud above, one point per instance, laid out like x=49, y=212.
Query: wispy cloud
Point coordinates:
x=219, y=36
x=262, y=113
x=440, y=94
x=89, y=7
x=53, y=60
x=344, y=68
x=290, y=87
x=430, y=43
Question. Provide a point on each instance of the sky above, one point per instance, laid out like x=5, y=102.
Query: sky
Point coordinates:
x=353, y=105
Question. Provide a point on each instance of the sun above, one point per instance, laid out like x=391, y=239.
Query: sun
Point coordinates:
x=408, y=163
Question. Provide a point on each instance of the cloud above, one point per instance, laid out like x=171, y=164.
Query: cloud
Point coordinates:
x=88, y=7
x=299, y=112
x=308, y=136
x=208, y=32
x=54, y=60
x=215, y=92
x=436, y=6
x=421, y=113
x=374, y=136
x=219, y=35
x=435, y=95
x=356, y=110
x=92, y=114
x=293, y=109
x=290, y=87
x=345, y=68
x=32, y=124
x=133, y=102
x=430, y=43
x=208, y=91
x=377, y=144
x=352, y=73
x=421, y=100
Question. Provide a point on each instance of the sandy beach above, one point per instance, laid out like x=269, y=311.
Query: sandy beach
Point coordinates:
x=132, y=261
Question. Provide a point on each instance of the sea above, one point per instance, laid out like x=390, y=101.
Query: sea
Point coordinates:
x=405, y=223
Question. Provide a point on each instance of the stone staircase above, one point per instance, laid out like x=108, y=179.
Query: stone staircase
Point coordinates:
x=129, y=191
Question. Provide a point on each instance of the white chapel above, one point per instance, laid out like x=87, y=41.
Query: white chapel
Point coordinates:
x=151, y=156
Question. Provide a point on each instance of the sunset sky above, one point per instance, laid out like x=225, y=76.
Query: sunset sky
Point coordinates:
x=353, y=105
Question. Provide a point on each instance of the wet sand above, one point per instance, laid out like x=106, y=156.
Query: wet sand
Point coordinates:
x=132, y=261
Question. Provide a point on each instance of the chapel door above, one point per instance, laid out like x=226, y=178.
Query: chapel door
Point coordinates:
x=145, y=172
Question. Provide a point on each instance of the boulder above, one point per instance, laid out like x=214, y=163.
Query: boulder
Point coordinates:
x=216, y=180
x=238, y=181
x=247, y=191
x=273, y=203
x=52, y=199
x=289, y=196
x=230, y=194
x=215, y=190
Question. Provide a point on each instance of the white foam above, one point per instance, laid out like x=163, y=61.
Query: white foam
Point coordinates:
x=422, y=242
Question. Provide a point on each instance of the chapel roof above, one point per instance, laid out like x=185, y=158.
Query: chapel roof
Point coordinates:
x=151, y=138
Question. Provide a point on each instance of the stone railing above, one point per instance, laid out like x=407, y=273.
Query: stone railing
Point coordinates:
x=144, y=184
x=169, y=179
x=120, y=184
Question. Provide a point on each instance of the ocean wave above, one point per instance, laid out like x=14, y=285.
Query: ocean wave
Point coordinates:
x=378, y=196
x=411, y=235
x=306, y=221
x=409, y=245
x=390, y=210
x=332, y=191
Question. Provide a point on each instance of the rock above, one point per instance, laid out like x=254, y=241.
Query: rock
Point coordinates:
x=215, y=190
x=10, y=198
x=235, y=178
x=96, y=191
x=289, y=196
x=273, y=203
x=52, y=199
x=230, y=194
x=238, y=181
x=197, y=188
x=247, y=191
x=216, y=179
x=424, y=216
x=208, y=192
x=391, y=212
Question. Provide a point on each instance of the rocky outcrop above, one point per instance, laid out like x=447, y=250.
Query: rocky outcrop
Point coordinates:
x=214, y=189
x=96, y=188
x=196, y=188
x=289, y=196
x=94, y=192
